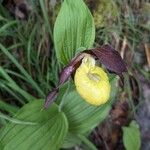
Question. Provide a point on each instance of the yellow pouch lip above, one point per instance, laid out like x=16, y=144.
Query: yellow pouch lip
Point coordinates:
x=95, y=91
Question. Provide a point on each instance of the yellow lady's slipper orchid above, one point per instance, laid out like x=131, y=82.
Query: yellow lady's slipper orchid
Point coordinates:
x=92, y=82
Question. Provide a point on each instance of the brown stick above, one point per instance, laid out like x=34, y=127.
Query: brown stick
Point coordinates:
x=147, y=51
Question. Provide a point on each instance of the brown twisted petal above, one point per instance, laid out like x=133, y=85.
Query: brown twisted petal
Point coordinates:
x=64, y=76
x=70, y=68
x=51, y=97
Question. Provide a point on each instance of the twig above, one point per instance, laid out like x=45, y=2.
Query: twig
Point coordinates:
x=147, y=51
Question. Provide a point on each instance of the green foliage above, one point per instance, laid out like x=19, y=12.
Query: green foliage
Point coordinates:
x=33, y=76
x=46, y=18
x=16, y=121
x=12, y=84
x=71, y=140
x=22, y=70
x=3, y=29
x=105, y=11
x=74, y=28
x=82, y=116
x=7, y=107
x=47, y=132
x=29, y=50
x=131, y=136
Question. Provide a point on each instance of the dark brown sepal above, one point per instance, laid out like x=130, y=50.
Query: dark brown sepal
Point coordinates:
x=110, y=58
x=64, y=76
x=51, y=97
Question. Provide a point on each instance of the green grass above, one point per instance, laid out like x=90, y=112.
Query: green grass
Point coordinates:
x=28, y=68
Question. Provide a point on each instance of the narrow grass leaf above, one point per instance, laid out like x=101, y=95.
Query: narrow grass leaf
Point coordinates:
x=6, y=26
x=7, y=107
x=16, y=121
x=11, y=92
x=12, y=84
x=29, y=47
x=46, y=18
x=22, y=70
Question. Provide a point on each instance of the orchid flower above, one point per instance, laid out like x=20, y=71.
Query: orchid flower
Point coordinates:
x=91, y=80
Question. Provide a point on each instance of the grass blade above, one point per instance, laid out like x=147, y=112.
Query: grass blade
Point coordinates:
x=9, y=24
x=16, y=121
x=2, y=85
x=46, y=18
x=7, y=107
x=12, y=84
x=22, y=70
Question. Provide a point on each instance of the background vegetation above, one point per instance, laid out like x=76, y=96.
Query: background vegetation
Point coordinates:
x=29, y=69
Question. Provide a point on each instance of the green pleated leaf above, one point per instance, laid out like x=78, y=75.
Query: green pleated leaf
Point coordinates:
x=47, y=132
x=131, y=136
x=82, y=116
x=74, y=28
